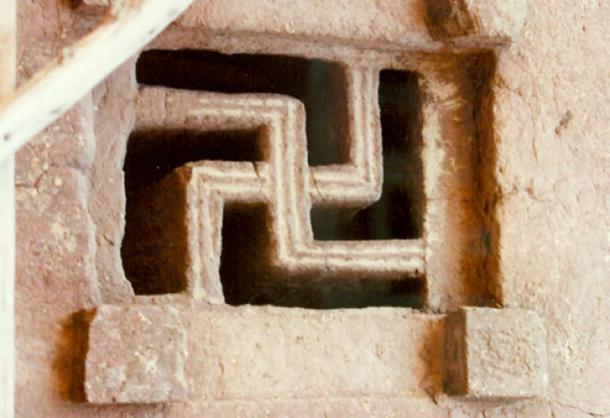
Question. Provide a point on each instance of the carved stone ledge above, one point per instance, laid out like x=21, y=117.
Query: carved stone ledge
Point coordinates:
x=245, y=353
x=136, y=355
x=495, y=353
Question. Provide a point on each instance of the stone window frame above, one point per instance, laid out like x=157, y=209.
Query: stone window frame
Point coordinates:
x=446, y=286
x=456, y=24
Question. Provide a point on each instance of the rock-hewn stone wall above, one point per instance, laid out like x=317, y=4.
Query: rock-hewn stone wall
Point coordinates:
x=542, y=194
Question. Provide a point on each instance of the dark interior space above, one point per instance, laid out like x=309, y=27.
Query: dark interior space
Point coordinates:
x=247, y=279
x=148, y=260
x=398, y=213
x=319, y=85
x=337, y=294
x=151, y=155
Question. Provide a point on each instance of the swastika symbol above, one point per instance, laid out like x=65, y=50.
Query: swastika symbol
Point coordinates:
x=283, y=182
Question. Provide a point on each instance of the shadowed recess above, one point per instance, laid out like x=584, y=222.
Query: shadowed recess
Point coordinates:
x=151, y=155
x=247, y=279
x=320, y=85
x=151, y=263
x=399, y=212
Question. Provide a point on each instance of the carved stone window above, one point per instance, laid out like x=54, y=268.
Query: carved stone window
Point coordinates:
x=237, y=192
x=268, y=153
x=262, y=171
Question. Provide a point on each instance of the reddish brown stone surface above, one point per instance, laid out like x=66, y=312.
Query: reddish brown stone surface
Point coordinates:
x=474, y=19
x=495, y=353
x=517, y=215
x=136, y=355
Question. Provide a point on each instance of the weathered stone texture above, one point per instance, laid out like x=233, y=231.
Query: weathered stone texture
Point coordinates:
x=495, y=353
x=452, y=224
x=364, y=407
x=114, y=118
x=477, y=18
x=136, y=354
x=549, y=182
x=96, y=2
x=258, y=352
x=553, y=171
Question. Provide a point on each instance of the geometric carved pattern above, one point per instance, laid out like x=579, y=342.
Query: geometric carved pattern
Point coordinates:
x=283, y=182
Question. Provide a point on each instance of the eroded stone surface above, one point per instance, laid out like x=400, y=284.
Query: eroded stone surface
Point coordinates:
x=477, y=18
x=136, y=355
x=549, y=158
x=495, y=353
x=258, y=352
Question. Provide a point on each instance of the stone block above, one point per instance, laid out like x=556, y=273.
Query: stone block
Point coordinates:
x=136, y=355
x=495, y=353
x=92, y=8
x=257, y=352
x=477, y=19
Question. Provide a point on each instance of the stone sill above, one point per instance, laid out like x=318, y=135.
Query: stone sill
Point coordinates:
x=257, y=352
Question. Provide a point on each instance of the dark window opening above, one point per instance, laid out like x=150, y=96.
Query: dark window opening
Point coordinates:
x=151, y=155
x=320, y=85
x=399, y=212
x=247, y=279
x=154, y=244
